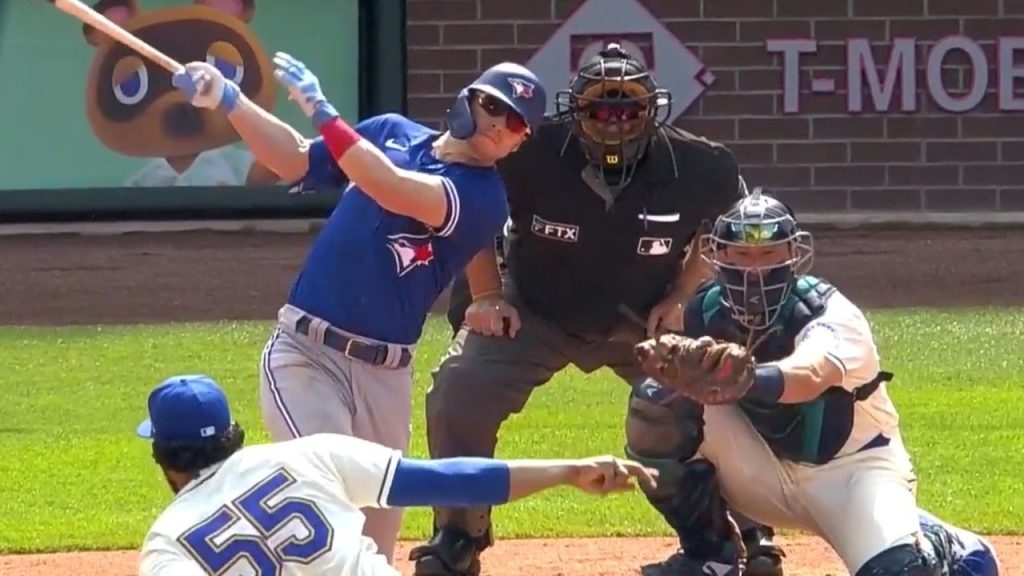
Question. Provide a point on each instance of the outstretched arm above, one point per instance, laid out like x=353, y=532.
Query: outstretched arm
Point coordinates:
x=482, y=481
x=428, y=198
x=800, y=377
x=373, y=475
x=272, y=142
x=835, y=350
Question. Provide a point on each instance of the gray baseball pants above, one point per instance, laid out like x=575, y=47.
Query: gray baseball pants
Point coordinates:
x=307, y=388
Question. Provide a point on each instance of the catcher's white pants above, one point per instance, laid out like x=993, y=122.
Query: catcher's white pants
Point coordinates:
x=860, y=504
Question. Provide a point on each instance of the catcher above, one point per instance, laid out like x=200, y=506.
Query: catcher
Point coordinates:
x=805, y=436
x=606, y=204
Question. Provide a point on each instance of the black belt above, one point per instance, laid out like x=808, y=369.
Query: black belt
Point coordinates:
x=367, y=352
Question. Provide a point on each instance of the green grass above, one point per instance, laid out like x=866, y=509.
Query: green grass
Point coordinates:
x=73, y=475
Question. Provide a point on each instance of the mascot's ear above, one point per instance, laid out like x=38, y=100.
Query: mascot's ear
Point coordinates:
x=117, y=11
x=241, y=9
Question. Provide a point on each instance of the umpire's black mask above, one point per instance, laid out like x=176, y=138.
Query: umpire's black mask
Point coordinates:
x=615, y=107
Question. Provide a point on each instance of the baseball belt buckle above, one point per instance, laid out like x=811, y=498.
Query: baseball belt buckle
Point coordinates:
x=348, y=349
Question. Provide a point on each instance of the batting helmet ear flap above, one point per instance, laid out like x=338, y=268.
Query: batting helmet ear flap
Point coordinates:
x=460, y=117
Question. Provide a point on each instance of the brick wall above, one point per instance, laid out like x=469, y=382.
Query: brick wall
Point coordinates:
x=821, y=157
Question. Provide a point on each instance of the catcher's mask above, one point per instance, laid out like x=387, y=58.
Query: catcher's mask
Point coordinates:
x=616, y=107
x=757, y=250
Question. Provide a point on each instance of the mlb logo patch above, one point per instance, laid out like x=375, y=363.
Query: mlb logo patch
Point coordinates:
x=654, y=246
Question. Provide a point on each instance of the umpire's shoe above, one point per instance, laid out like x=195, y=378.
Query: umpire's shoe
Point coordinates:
x=764, y=558
x=451, y=552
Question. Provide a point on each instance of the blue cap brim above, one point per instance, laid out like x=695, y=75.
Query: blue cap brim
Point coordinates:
x=145, y=429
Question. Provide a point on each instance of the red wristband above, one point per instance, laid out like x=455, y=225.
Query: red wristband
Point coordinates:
x=339, y=136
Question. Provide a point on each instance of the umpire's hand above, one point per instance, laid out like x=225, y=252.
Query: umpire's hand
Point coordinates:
x=492, y=316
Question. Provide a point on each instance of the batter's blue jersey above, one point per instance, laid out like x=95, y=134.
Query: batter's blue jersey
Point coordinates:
x=376, y=273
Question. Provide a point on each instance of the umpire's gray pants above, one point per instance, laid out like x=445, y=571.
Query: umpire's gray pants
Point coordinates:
x=483, y=380
x=308, y=388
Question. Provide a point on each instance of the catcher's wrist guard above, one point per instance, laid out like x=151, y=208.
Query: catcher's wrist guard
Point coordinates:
x=768, y=385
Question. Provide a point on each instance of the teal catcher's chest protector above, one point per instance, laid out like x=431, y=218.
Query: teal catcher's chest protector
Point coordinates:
x=811, y=432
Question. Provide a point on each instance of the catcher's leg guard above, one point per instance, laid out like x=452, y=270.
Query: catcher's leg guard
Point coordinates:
x=904, y=560
x=942, y=550
x=961, y=551
x=664, y=431
x=764, y=556
x=451, y=552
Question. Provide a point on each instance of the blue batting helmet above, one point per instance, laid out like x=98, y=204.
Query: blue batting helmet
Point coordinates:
x=513, y=84
x=756, y=284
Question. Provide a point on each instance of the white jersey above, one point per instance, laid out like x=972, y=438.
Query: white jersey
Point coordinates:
x=225, y=166
x=289, y=508
x=845, y=335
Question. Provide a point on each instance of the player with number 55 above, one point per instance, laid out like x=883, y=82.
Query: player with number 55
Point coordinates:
x=293, y=508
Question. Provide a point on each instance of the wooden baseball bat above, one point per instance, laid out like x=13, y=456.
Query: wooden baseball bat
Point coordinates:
x=100, y=22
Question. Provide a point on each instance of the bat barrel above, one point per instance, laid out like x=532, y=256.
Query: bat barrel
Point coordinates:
x=100, y=22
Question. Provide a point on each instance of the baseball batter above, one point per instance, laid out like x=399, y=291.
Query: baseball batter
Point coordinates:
x=418, y=204
x=293, y=508
x=814, y=443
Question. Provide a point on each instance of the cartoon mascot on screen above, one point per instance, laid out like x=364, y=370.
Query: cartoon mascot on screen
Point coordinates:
x=134, y=110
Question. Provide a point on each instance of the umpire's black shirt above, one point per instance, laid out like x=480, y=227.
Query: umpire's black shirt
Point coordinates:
x=576, y=253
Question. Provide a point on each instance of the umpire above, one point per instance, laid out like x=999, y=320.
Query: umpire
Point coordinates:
x=607, y=202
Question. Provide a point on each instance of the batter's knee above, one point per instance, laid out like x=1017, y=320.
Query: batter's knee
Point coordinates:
x=903, y=560
x=662, y=429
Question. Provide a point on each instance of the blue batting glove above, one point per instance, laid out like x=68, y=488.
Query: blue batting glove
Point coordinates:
x=303, y=87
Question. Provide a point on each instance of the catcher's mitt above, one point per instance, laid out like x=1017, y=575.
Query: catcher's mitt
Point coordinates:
x=704, y=370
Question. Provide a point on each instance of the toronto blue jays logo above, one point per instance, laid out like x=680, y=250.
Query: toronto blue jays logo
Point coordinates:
x=410, y=251
x=521, y=88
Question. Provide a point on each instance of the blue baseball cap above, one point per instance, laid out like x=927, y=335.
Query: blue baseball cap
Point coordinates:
x=186, y=409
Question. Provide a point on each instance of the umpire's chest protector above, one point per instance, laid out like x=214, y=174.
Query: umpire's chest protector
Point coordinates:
x=811, y=432
x=578, y=252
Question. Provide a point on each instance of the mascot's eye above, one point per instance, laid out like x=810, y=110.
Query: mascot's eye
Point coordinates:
x=230, y=70
x=130, y=82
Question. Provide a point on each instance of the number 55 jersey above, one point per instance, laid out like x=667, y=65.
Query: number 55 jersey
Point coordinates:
x=283, y=509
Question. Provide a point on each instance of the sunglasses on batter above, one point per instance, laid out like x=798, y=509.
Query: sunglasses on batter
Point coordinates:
x=496, y=108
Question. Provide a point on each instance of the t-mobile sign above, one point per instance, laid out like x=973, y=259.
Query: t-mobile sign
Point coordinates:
x=881, y=78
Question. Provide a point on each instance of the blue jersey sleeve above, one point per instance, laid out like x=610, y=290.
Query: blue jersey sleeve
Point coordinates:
x=457, y=482
x=323, y=171
x=477, y=207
